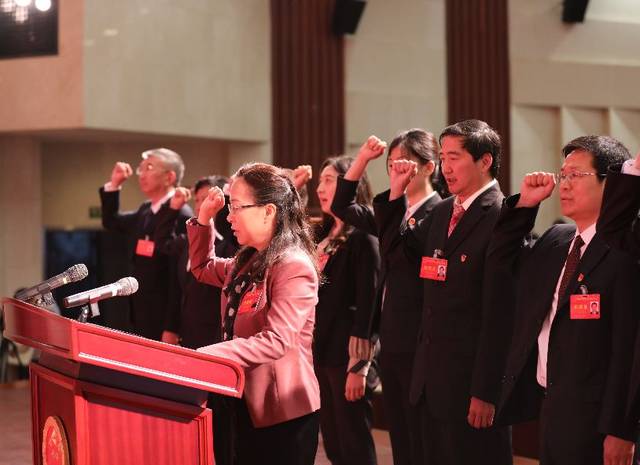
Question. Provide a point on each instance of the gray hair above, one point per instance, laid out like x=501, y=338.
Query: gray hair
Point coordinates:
x=171, y=160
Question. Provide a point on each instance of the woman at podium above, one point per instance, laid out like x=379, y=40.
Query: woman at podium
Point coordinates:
x=269, y=296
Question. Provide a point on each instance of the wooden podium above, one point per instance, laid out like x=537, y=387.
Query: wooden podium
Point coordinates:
x=100, y=396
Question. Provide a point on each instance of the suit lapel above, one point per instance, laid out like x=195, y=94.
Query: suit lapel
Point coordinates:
x=595, y=252
x=477, y=210
x=558, y=251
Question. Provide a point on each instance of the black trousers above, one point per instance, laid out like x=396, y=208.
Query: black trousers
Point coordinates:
x=454, y=442
x=405, y=427
x=293, y=442
x=571, y=438
x=345, y=426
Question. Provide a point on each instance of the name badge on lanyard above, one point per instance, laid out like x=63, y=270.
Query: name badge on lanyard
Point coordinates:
x=145, y=247
x=584, y=306
x=434, y=268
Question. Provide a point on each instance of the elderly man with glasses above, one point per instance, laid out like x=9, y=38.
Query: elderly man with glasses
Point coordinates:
x=159, y=173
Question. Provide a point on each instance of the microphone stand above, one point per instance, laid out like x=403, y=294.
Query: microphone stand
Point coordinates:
x=90, y=309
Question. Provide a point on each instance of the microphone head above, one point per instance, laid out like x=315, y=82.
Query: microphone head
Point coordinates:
x=127, y=286
x=77, y=272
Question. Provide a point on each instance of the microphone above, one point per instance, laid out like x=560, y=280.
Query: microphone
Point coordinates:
x=122, y=287
x=73, y=274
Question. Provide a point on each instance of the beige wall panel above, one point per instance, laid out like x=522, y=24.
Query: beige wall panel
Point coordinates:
x=576, y=122
x=244, y=152
x=73, y=173
x=195, y=68
x=46, y=92
x=395, y=73
x=625, y=126
x=21, y=232
x=595, y=63
x=537, y=148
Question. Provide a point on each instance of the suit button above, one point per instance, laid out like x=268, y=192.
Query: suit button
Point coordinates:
x=513, y=378
x=549, y=384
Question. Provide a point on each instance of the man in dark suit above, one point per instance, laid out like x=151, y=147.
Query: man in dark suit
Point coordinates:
x=197, y=311
x=569, y=364
x=456, y=354
x=398, y=308
x=160, y=171
x=618, y=223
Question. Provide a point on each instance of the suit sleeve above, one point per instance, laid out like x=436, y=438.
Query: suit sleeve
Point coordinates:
x=389, y=215
x=626, y=301
x=112, y=219
x=506, y=251
x=618, y=222
x=293, y=297
x=205, y=266
x=344, y=206
x=365, y=265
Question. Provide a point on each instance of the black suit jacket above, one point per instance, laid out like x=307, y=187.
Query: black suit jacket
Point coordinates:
x=195, y=306
x=456, y=352
x=345, y=298
x=150, y=316
x=396, y=318
x=618, y=223
x=589, y=361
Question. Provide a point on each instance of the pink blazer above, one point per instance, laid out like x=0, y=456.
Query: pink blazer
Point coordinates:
x=273, y=341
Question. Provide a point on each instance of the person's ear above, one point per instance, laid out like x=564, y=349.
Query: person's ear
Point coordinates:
x=487, y=161
x=270, y=212
x=171, y=178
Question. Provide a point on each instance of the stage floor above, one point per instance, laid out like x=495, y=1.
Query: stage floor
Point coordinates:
x=15, y=431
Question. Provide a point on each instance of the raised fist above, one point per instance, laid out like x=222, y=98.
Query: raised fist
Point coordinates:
x=301, y=175
x=211, y=205
x=372, y=149
x=535, y=188
x=120, y=173
x=180, y=197
x=402, y=172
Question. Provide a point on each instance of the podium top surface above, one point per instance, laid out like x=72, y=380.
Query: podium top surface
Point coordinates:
x=119, y=351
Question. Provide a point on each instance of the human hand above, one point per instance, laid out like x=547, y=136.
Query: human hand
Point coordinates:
x=170, y=337
x=301, y=175
x=535, y=188
x=617, y=451
x=180, y=197
x=120, y=173
x=480, y=413
x=402, y=172
x=354, y=387
x=211, y=205
x=371, y=149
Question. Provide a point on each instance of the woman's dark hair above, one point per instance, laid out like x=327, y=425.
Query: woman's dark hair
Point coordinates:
x=217, y=180
x=421, y=144
x=364, y=196
x=272, y=185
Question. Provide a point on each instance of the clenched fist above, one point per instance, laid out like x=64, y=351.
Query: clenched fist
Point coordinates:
x=211, y=205
x=371, y=149
x=535, y=188
x=120, y=173
x=301, y=175
x=180, y=197
x=402, y=172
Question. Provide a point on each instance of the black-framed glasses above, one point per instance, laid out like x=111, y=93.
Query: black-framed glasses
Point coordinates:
x=570, y=177
x=233, y=209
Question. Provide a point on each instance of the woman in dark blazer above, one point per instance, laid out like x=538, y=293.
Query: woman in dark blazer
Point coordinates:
x=397, y=315
x=342, y=349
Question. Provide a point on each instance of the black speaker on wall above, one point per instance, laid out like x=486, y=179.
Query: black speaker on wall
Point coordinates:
x=346, y=16
x=573, y=11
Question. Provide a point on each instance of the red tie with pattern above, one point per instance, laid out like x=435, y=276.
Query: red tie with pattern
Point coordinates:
x=458, y=211
x=571, y=265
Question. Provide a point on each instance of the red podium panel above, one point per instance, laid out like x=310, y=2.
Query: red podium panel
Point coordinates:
x=101, y=396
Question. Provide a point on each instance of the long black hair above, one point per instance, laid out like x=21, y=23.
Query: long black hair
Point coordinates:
x=272, y=185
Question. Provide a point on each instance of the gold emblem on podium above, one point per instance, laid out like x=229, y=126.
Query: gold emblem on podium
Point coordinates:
x=55, y=447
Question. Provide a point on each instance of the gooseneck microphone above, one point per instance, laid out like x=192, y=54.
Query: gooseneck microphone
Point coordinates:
x=122, y=287
x=71, y=275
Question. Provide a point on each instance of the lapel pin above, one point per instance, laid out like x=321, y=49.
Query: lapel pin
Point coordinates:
x=580, y=277
x=463, y=258
x=412, y=221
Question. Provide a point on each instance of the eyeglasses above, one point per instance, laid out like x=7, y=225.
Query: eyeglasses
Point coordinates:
x=145, y=168
x=570, y=177
x=233, y=209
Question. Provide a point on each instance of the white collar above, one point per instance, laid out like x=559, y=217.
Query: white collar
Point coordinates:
x=467, y=203
x=155, y=206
